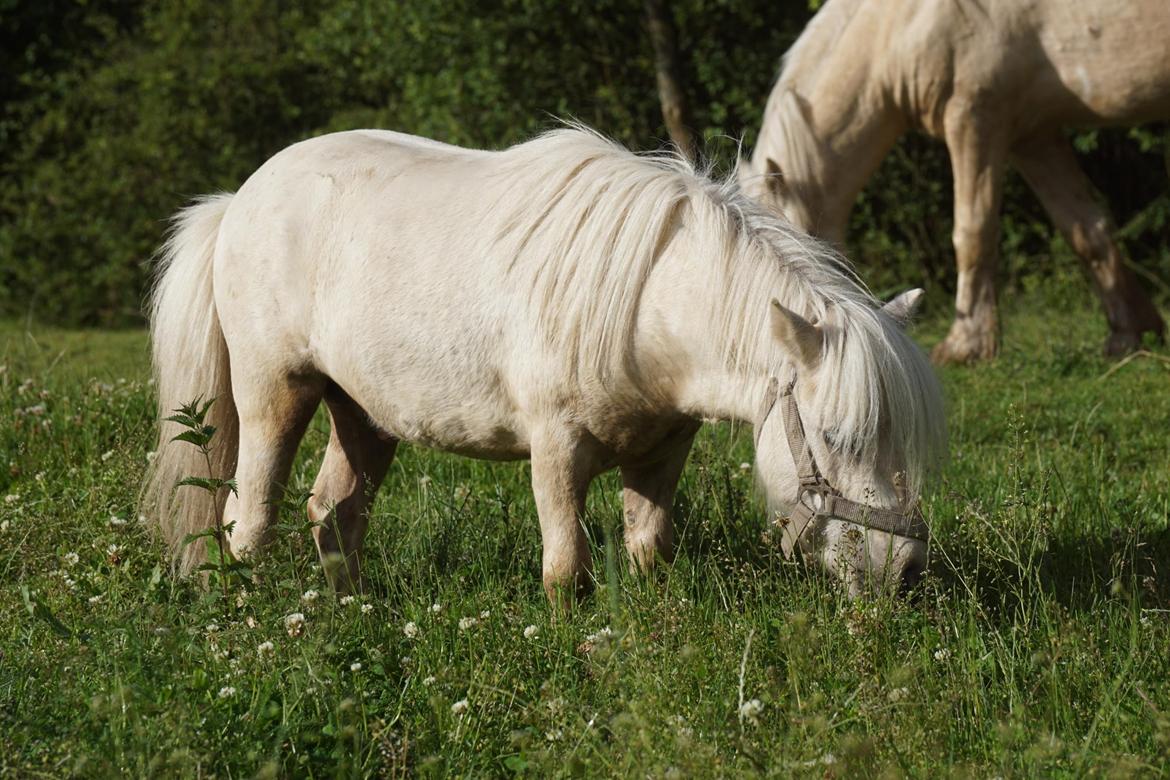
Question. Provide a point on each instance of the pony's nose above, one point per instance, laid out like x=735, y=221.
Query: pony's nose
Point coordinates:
x=911, y=575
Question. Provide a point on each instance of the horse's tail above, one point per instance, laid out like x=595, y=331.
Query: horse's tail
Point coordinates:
x=190, y=364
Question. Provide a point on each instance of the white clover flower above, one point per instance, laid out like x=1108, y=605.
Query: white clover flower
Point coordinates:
x=114, y=549
x=942, y=654
x=485, y=614
x=226, y=692
x=71, y=558
x=250, y=622
x=750, y=711
x=70, y=582
x=467, y=622
x=212, y=628
x=294, y=624
x=345, y=601
x=150, y=456
x=11, y=498
x=310, y=596
x=355, y=667
x=115, y=520
x=459, y=707
x=39, y=476
x=265, y=648
x=37, y=411
x=745, y=467
x=107, y=455
x=411, y=630
x=95, y=599
x=3, y=526
x=530, y=631
x=554, y=735
x=424, y=480
x=429, y=681
x=898, y=694
x=436, y=608
x=604, y=635
x=367, y=609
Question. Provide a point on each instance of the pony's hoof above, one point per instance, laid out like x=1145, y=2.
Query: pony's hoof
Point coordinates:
x=963, y=351
x=1122, y=343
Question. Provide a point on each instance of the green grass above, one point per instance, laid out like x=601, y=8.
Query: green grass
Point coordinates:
x=1038, y=646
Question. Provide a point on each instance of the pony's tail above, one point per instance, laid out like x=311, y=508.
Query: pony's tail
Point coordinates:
x=190, y=363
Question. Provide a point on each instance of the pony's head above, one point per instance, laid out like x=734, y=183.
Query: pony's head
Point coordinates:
x=843, y=442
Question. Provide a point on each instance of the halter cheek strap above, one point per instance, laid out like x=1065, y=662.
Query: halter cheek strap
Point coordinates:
x=813, y=486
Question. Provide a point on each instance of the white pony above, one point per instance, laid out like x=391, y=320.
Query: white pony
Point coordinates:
x=565, y=301
x=997, y=80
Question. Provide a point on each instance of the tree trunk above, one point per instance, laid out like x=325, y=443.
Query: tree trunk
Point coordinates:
x=675, y=109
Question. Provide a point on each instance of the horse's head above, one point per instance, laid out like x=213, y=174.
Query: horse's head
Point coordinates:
x=836, y=478
x=780, y=192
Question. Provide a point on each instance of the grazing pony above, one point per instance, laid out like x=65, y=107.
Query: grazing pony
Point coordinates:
x=997, y=80
x=563, y=300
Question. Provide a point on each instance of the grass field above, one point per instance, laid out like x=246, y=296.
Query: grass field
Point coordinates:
x=1038, y=646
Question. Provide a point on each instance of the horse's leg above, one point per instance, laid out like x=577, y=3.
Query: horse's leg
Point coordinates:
x=977, y=159
x=274, y=410
x=564, y=462
x=356, y=461
x=648, y=495
x=1050, y=168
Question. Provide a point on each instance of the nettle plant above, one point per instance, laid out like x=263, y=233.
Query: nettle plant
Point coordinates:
x=221, y=565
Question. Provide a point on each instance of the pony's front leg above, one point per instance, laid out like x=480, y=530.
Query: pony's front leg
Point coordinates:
x=564, y=462
x=978, y=154
x=648, y=498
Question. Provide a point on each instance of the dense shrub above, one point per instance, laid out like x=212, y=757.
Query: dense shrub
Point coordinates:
x=116, y=112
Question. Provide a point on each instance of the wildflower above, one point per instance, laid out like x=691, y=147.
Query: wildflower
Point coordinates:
x=604, y=635
x=250, y=621
x=107, y=455
x=115, y=520
x=459, y=707
x=467, y=622
x=35, y=411
x=70, y=583
x=750, y=711
x=226, y=692
x=212, y=628
x=39, y=476
x=429, y=681
x=150, y=456
x=294, y=624
x=265, y=649
x=530, y=632
x=554, y=735
x=95, y=599
x=436, y=608
x=3, y=526
x=114, y=549
x=411, y=630
x=942, y=654
x=485, y=614
x=310, y=596
x=346, y=600
x=462, y=492
x=71, y=558
x=424, y=480
x=898, y=694
x=11, y=498
x=355, y=667
x=745, y=467
x=367, y=609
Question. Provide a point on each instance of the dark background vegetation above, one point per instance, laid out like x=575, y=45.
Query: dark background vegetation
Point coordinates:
x=115, y=112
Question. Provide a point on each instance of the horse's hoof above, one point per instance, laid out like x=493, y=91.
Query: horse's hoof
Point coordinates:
x=1122, y=343
x=953, y=351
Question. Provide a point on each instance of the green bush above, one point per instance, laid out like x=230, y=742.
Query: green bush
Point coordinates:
x=116, y=113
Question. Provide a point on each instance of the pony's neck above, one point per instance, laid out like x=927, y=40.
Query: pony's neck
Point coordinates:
x=845, y=120
x=707, y=343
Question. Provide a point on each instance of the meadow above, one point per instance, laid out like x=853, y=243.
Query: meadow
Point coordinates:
x=1037, y=646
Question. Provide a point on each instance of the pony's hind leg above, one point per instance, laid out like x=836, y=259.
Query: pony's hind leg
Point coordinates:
x=356, y=461
x=648, y=497
x=1050, y=167
x=274, y=412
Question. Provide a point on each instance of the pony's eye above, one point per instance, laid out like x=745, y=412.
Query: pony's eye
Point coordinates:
x=833, y=442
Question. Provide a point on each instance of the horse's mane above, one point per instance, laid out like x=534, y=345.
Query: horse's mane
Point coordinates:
x=586, y=255
x=822, y=32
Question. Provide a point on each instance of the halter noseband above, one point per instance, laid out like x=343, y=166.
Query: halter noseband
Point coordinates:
x=832, y=504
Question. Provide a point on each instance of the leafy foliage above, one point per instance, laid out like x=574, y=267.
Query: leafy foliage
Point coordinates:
x=116, y=112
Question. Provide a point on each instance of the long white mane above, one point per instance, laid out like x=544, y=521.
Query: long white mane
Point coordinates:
x=586, y=255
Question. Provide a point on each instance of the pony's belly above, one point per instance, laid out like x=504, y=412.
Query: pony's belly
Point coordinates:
x=478, y=434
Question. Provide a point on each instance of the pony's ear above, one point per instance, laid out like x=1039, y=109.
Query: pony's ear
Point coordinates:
x=773, y=176
x=799, y=337
x=904, y=307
